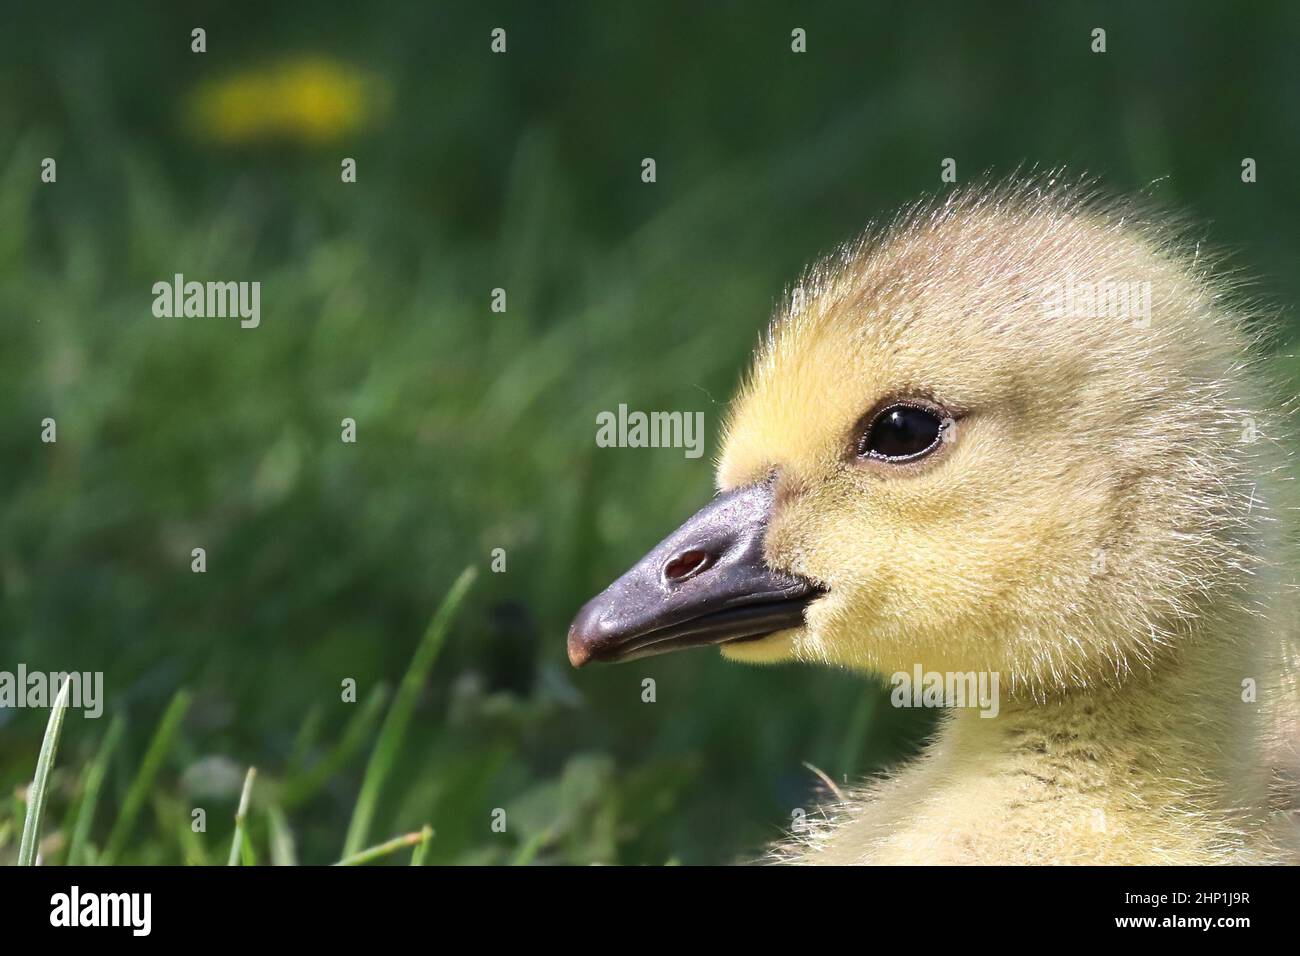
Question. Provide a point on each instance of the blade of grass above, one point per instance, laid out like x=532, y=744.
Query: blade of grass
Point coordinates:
x=283, y=850
x=237, y=844
x=303, y=785
x=384, y=755
x=422, y=848
x=170, y=817
x=528, y=852
x=304, y=740
x=37, y=793
x=90, y=793
x=825, y=778
x=194, y=852
x=383, y=849
x=138, y=792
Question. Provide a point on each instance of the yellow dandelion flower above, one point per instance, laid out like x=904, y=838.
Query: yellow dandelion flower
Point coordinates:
x=312, y=100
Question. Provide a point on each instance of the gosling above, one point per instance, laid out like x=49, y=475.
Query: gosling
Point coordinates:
x=1020, y=431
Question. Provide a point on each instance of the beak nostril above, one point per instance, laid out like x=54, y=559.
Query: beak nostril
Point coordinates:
x=686, y=565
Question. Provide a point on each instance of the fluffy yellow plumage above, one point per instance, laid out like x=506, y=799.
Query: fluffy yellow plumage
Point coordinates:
x=1022, y=432
x=1101, y=530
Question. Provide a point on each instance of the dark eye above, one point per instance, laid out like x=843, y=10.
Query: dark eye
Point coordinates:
x=902, y=432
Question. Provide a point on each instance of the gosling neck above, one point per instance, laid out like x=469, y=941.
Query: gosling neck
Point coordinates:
x=1180, y=731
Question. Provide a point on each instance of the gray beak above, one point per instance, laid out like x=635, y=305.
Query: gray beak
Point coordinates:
x=706, y=583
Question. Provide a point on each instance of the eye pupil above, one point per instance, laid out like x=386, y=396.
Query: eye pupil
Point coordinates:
x=902, y=431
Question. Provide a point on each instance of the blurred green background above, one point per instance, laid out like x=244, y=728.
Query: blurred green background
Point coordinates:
x=476, y=429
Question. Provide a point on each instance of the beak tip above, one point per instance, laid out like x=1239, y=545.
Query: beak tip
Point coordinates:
x=579, y=648
x=592, y=631
x=578, y=655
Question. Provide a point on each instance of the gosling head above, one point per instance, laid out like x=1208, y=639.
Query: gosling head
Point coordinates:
x=1006, y=433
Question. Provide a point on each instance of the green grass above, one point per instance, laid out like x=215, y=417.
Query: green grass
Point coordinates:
x=386, y=751
x=37, y=793
x=240, y=848
x=143, y=783
x=362, y=857
x=94, y=782
x=388, y=745
x=242, y=851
